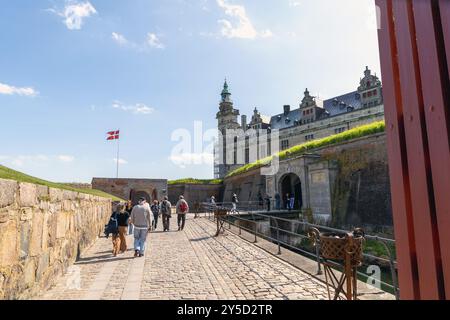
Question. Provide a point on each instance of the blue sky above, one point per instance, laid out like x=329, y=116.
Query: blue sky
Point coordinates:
x=72, y=70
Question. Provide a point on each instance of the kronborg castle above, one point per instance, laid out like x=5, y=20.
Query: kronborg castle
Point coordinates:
x=313, y=119
x=344, y=183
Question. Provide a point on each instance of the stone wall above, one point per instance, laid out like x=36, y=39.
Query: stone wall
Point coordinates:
x=132, y=189
x=246, y=186
x=346, y=184
x=361, y=189
x=42, y=232
x=195, y=193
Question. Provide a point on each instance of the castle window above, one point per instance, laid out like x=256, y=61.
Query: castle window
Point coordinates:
x=309, y=137
x=284, y=144
x=365, y=95
x=374, y=92
x=369, y=94
x=340, y=130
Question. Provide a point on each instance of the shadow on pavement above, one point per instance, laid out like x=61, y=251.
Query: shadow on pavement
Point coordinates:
x=101, y=259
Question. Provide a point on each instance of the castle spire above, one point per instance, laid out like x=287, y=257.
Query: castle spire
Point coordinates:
x=225, y=93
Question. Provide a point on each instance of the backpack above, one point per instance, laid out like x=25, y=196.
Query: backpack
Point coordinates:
x=164, y=208
x=113, y=226
x=183, y=207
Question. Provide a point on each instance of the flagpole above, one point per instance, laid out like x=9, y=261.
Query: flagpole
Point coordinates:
x=118, y=154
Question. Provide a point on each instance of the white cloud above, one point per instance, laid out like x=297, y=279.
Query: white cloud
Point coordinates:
x=119, y=39
x=154, y=41
x=184, y=159
x=294, y=3
x=151, y=41
x=66, y=158
x=11, y=90
x=138, y=108
x=74, y=13
x=21, y=160
x=243, y=27
x=121, y=161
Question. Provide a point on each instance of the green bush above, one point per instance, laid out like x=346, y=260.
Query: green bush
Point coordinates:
x=6, y=173
x=303, y=148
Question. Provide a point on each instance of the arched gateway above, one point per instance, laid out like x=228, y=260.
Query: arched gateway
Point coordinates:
x=136, y=195
x=291, y=184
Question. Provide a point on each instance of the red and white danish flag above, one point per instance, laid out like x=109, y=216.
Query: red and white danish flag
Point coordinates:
x=113, y=135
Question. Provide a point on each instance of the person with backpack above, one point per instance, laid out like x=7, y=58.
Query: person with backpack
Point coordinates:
x=113, y=228
x=140, y=218
x=166, y=212
x=155, y=210
x=182, y=210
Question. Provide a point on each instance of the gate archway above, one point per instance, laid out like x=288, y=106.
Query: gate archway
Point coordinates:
x=291, y=184
x=135, y=195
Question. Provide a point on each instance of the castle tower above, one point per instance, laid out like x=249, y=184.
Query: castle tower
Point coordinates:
x=227, y=119
x=227, y=116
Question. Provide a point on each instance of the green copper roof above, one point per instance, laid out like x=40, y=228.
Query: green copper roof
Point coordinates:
x=225, y=88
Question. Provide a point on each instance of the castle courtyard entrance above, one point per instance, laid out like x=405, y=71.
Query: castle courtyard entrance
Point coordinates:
x=291, y=184
x=136, y=195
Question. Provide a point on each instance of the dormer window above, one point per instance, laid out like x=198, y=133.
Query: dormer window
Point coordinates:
x=335, y=102
x=287, y=120
x=279, y=118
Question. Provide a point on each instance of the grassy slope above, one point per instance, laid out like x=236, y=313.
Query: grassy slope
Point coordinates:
x=6, y=173
x=195, y=181
x=303, y=148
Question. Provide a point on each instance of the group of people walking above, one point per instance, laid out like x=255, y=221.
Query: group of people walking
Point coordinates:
x=141, y=219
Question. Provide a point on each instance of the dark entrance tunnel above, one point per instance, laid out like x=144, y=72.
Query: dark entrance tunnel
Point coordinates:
x=291, y=184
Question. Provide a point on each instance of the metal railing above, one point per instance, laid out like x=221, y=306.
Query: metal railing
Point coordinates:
x=252, y=217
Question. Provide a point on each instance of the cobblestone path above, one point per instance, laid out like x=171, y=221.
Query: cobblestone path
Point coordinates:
x=190, y=264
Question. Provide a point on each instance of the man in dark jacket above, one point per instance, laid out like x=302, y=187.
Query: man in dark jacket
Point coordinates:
x=155, y=210
x=166, y=212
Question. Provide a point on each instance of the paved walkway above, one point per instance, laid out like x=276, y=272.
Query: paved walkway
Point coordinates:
x=191, y=264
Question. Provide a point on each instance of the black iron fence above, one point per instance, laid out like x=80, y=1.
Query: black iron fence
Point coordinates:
x=245, y=216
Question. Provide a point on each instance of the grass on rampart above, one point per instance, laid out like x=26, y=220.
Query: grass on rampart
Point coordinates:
x=365, y=130
x=196, y=181
x=6, y=173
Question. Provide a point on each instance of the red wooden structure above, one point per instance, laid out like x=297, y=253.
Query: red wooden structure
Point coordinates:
x=414, y=39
